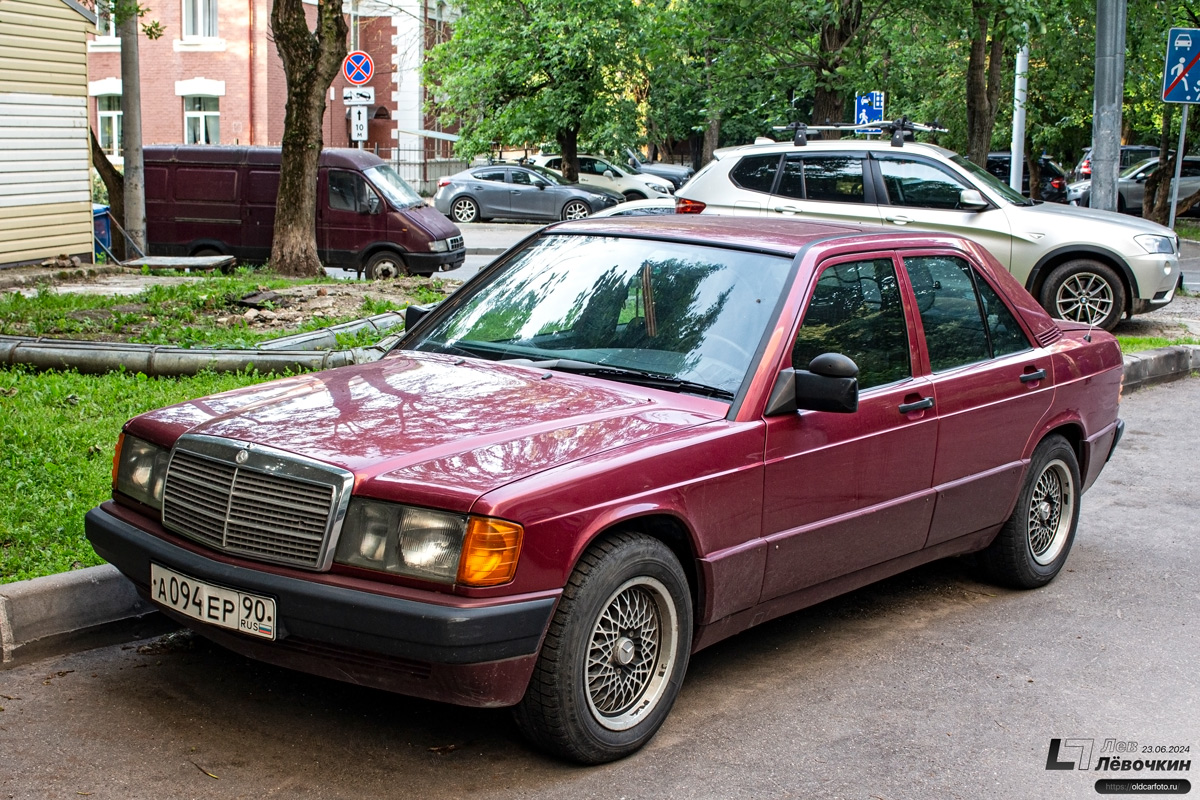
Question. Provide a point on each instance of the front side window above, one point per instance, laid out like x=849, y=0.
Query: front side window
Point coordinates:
x=965, y=320
x=917, y=184
x=349, y=192
x=108, y=119
x=199, y=19
x=856, y=310
x=202, y=120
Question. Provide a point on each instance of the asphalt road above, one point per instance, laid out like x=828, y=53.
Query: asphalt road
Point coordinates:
x=929, y=685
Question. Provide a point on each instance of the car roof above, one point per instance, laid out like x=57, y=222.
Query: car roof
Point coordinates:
x=818, y=145
x=782, y=236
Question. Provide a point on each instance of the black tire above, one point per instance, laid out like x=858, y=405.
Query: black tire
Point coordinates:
x=207, y=251
x=464, y=210
x=593, y=710
x=575, y=209
x=1034, y=543
x=1121, y=209
x=632, y=195
x=1085, y=291
x=385, y=266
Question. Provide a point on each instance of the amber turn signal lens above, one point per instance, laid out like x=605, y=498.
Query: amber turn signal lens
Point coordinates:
x=490, y=550
x=117, y=458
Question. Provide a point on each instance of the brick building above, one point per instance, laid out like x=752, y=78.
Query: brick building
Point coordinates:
x=215, y=77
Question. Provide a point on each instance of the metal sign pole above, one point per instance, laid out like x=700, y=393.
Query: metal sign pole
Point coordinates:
x=1178, y=166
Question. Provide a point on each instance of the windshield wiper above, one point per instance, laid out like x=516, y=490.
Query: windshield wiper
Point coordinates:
x=653, y=380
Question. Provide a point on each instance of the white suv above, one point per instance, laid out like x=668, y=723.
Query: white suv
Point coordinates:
x=595, y=171
x=1083, y=265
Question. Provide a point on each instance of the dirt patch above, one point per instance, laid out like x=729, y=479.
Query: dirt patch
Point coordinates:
x=1179, y=319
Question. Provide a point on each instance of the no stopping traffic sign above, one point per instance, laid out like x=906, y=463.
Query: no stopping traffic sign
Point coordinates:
x=358, y=67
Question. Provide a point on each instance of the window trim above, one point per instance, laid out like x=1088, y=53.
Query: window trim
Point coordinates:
x=208, y=15
x=203, y=117
x=877, y=175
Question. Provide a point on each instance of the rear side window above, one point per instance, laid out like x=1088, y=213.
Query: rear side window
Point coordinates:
x=828, y=179
x=489, y=175
x=756, y=173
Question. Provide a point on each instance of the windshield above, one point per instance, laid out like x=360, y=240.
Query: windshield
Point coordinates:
x=553, y=177
x=1149, y=165
x=394, y=188
x=981, y=175
x=629, y=308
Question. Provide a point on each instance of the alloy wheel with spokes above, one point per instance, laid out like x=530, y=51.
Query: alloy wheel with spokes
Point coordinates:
x=576, y=209
x=1050, y=512
x=1085, y=297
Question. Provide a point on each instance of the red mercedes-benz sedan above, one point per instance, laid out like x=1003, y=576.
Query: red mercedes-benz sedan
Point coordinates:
x=625, y=440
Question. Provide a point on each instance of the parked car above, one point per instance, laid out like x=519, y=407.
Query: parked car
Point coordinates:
x=1053, y=183
x=1130, y=154
x=624, y=441
x=653, y=206
x=210, y=200
x=1131, y=185
x=677, y=174
x=596, y=171
x=1085, y=265
x=514, y=191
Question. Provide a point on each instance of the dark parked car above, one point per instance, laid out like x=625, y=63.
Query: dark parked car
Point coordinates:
x=677, y=174
x=515, y=191
x=1053, y=181
x=622, y=442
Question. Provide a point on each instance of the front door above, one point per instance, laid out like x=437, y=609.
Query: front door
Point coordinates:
x=352, y=216
x=846, y=491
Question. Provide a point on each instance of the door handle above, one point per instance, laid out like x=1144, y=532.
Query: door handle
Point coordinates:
x=919, y=405
x=1030, y=377
x=899, y=219
x=788, y=209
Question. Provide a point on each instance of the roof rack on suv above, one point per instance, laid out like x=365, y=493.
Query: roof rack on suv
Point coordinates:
x=897, y=128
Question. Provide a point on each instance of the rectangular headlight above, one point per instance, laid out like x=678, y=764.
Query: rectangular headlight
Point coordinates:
x=432, y=545
x=440, y=245
x=1153, y=243
x=139, y=470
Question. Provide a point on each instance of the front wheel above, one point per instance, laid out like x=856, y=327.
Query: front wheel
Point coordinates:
x=1085, y=291
x=634, y=195
x=615, y=654
x=385, y=266
x=1034, y=543
x=576, y=209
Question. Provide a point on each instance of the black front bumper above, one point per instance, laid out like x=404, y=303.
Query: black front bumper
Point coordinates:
x=435, y=262
x=336, y=615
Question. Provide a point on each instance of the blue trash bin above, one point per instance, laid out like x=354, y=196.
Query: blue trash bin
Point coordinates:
x=102, y=226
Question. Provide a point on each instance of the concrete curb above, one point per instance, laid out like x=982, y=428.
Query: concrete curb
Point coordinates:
x=76, y=610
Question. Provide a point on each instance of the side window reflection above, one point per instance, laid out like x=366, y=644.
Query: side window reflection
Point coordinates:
x=856, y=310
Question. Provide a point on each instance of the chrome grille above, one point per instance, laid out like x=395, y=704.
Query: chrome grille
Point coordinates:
x=455, y=242
x=274, y=507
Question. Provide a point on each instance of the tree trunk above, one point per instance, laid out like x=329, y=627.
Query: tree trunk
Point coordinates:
x=310, y=63
x=828, y=107
x=114, y=182
x=568, y=146
x=829, y=99
x=984, y=72
x=1155, y=203
x=134, y=210
x=712, y=137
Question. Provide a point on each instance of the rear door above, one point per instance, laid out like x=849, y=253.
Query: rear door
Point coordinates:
x=492, y=191
x=825, y=187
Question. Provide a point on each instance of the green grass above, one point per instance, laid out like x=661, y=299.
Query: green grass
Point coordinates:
x=1188, y=229
x=57, y=434
x=1136, y=344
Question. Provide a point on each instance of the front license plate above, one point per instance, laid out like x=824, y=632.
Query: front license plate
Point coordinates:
x=226, y=608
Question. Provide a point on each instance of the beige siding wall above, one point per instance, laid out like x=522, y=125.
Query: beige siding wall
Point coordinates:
x=45, y=188
x=42, y=48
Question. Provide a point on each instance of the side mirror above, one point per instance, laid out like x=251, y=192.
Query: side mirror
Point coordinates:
x=829, y=384
x=540, y=185
x=414, y=314
x=608, y=173
x=373, y=204
x=1140, y=177
x=971, y=200
x=633, y=165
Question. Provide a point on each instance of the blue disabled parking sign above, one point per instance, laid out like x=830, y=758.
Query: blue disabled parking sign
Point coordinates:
x=1181, y=76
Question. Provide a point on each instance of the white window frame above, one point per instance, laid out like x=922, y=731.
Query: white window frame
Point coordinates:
x=200, y=19
x=116, y=120
x=202, y=117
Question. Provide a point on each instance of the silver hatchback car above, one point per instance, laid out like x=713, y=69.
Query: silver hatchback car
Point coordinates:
x=1083, y=265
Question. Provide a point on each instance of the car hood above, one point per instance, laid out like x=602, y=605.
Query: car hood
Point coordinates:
x=599, y=191
x=1055, y=217
x=658, y=168
x=433, y=222
x=435, y=429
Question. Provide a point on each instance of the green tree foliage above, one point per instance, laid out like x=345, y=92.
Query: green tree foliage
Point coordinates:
x=529, y=71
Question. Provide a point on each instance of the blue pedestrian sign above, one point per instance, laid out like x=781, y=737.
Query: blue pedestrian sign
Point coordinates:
x=1181, y=76
x=868, y=108
x=358, y=67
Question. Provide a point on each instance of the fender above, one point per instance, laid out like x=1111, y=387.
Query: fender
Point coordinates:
x=1038, y=273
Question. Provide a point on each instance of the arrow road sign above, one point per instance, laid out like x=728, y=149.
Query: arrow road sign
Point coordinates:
x=358, y=123
x=1181, y=77
x=358, y=67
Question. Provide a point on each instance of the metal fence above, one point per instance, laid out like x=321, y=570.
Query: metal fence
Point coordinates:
x=421, y=170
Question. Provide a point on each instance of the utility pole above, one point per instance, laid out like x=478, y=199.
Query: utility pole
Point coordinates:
x=1016, y=167
x=1106, y=111
x=131, y=122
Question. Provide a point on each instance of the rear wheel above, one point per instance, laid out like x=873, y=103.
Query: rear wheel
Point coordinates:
x=576, y=209
x=615, y=654
x=1085, y=291
x=464, y=209
x=1034, y=543
x=385, y=266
